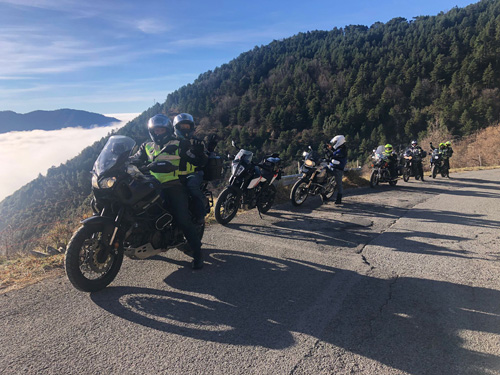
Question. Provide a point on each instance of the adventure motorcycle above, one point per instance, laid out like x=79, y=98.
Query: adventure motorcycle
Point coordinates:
x=438, y=165
x=380, y=169
x=316, y=179
x=130, y=218
x=250, y=184
x=413, y=166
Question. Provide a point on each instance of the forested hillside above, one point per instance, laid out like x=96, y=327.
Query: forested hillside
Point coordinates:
x=383, y=83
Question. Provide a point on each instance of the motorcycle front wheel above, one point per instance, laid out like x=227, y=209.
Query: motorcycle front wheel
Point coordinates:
x=434, y=171
x=374, y=179
x=406, y=174
x=299, y=192
x=266, y=198
x=226, y=206
x=90, y=265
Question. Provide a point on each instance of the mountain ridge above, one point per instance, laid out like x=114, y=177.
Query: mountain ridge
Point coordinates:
x=51, y=120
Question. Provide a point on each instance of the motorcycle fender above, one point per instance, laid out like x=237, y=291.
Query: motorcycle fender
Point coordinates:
x=98, y=220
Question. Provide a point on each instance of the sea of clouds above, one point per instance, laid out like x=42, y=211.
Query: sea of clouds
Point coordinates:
x=24, y=155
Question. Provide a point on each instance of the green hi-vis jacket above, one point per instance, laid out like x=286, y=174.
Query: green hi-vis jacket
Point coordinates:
x=150, y=152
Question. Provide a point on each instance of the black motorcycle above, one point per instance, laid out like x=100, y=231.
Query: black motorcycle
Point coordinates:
x=316, y=179
x=250, y=185
x=413, y=166
x=130, y=218
x=438, y=165
x=380, y=169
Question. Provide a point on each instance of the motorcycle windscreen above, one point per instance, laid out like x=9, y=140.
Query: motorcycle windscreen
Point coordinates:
x=116, y=151
x=244, y=155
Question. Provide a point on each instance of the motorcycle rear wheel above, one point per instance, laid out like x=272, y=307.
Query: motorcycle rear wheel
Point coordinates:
x=299, y=192
x=266, y=198
x=226, y=206
x=85, y=265
x=374, y=179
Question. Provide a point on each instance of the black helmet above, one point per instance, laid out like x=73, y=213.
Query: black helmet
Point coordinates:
x=414, y=143
x=160, y=122
x=183, y=125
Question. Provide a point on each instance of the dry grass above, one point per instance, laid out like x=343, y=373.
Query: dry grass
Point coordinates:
x=26, y=270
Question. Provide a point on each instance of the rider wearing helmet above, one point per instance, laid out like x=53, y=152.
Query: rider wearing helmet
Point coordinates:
x=338, y=156
x=413, y=151
x=183, y=129
x=392, y=160
x=447, y=153
x=165, y=147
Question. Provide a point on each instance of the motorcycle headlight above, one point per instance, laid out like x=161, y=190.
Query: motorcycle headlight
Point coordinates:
x=105, y=183
x=436, y=157
x=309, y=163
x=238, y=169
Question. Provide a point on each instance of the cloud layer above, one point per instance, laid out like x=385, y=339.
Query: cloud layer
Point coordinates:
x=26, y=154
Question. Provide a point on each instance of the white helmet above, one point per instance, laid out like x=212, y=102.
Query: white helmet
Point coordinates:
x=337, y=141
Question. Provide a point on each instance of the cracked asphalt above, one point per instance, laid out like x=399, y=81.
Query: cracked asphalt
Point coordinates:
x=397, y=280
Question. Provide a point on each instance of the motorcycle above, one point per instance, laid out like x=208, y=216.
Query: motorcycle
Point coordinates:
x=130, y=217
x=250, y=184
x=315, y=179
x=413, y=166
x=438, y=165
x=380, y=169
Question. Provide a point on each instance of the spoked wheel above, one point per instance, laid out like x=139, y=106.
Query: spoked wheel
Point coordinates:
x=226, y=206
x=266, y=198
x=90, y=263
x=299, y=192
x=329, y=190
x=374, y=179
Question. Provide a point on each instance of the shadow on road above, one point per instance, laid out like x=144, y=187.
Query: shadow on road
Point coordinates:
x=415, y=325
x=255, y=300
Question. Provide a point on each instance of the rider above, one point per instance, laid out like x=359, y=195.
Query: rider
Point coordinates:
x=338, y=155
x=166, y=147
x=392, y=160
x=183, y=130
x=414, y=150
x=447, y=153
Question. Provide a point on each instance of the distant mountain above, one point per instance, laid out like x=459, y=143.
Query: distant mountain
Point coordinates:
x=51, y=120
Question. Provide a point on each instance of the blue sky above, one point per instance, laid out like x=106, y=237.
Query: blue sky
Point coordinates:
x=120, y=56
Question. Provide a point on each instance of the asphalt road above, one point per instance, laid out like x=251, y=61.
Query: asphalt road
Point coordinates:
x=397, y=280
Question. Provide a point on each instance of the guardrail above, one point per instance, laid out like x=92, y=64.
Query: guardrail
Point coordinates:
x=291, y=178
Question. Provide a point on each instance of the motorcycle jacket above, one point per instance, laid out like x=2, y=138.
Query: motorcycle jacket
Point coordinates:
x=177, y=152
x=339, y=157
x=415, y=151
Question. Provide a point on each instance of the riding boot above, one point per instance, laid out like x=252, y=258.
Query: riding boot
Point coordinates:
x=197, y=260
x=339, y=199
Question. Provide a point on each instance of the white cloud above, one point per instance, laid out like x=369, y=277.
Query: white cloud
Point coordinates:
x=33, y=152
x=151, y=26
